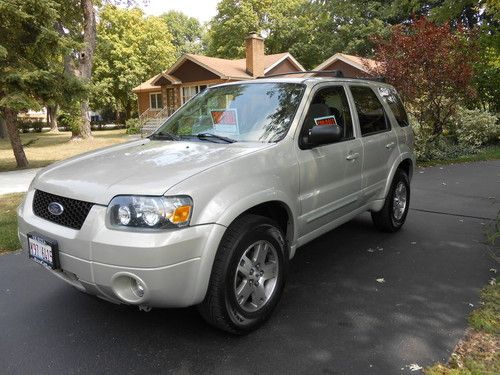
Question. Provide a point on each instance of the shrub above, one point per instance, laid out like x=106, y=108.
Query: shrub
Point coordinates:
x=38, y=126
x=69, y=118
x=429, y=147
x=474, y=127
x=133, y=126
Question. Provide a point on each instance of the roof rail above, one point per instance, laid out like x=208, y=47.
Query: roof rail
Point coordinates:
x=334, y=73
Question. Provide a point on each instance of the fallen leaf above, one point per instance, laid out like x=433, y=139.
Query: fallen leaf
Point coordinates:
x=414, y=367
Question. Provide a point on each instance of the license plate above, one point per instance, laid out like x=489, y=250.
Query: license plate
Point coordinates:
x=43, y=250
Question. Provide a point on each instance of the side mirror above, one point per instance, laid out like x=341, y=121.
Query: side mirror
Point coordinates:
x=323, y=134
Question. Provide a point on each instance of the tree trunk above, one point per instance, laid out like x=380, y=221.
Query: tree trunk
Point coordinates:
x=52, y=117
x=15, y=140
x=85, y=62
x=3, y=129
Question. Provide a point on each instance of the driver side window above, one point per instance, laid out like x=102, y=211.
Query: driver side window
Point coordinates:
x=329, y=106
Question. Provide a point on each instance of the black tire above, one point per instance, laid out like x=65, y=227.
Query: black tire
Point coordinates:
x=386, y=220
x=220, y=307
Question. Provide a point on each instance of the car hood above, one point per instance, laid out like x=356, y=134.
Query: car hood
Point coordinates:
x=142, y=167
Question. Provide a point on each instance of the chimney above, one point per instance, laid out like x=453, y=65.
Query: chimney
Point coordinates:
x=254, y=47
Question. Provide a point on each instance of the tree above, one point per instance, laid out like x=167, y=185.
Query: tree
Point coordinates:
x=235, y=19
x=131, y=48
x=187, y=32
x=28, y=41
x=431, y=66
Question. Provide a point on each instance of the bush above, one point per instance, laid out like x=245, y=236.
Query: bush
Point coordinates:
x=133, y=126
x=26, y=126
x=474, y=127
x=69, y=118
x=38, y=126
x=428, y=148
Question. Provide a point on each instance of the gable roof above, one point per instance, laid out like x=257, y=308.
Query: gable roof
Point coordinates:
x=361, y=63
x=148, y=85
x=224, y=68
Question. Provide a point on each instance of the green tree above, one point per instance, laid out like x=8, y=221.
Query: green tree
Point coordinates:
x=130, y=49
x=186, y=31
x=28, y=43
x=235, y=19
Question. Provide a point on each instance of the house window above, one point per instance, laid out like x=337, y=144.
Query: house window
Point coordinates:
x=189, y=91
x=155, y=101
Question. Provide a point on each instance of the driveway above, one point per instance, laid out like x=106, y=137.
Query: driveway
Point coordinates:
x=16, y=181
x=334, y=317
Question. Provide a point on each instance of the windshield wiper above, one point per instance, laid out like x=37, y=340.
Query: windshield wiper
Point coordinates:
x=207, y=136
x=164, y=136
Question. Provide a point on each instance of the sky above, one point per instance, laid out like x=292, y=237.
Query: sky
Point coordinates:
x=203, y=10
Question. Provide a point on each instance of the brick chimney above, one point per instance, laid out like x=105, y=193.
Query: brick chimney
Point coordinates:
x=254, y=47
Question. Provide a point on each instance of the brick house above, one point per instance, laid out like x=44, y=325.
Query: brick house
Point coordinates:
x=159, y=96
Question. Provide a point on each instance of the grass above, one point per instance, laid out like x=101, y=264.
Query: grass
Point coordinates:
x=43, y=149
x=486, y=153
x=8, y=222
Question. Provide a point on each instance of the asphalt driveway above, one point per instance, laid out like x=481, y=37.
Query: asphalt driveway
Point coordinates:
x=334, y=317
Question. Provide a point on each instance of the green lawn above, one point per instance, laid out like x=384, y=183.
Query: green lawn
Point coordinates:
x=8, y=222
x=487, y=153
x=45, y=148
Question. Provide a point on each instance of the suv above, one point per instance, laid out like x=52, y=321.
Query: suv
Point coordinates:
x=210, y=208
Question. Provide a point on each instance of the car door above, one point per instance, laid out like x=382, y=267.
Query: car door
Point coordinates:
x=378, y=141
x=330, y=174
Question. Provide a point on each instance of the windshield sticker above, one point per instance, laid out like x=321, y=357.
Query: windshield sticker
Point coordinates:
x=225, y=120
x=327, y=120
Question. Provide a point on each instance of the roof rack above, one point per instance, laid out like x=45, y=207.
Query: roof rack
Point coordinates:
x=333, y=73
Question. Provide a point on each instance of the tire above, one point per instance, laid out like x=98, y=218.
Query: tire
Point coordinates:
x=391, y=217
x=242, y=293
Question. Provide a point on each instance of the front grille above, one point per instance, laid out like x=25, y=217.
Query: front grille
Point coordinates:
x=74, y=214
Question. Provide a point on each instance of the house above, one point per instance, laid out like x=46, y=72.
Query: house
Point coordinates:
x=162, y=94
x=350, y=65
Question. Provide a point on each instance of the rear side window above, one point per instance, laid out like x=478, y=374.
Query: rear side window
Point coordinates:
x=392, y=98
x=370, y=111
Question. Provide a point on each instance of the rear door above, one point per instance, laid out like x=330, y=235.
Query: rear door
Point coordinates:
x=330, y=174
x=378, y=141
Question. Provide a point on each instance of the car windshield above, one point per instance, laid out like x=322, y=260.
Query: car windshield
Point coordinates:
x=252, y=112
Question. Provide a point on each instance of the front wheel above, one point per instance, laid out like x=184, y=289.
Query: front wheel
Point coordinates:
x=393, y=215
x=248, y=275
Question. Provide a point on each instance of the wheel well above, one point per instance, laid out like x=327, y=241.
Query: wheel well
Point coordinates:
x=407, y=166
x=277, y=211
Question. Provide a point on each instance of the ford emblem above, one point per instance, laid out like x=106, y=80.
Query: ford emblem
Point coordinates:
x=55, y=208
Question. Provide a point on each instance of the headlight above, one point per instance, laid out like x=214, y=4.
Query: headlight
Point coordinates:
x=149, y=212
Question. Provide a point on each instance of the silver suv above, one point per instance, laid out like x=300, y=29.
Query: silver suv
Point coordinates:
x=210, y=208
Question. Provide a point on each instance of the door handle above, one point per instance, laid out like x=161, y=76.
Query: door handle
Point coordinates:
x=353, y=156
x=390, y=145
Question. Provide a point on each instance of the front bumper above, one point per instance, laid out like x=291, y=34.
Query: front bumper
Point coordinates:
x=173, y=266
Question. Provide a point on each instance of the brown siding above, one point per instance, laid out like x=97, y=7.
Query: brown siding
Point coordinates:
x=348, y=70
x=191, y=72
x=283, y=67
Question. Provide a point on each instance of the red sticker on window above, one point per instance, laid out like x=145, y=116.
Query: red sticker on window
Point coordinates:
x=327, y=120
x=224, y=117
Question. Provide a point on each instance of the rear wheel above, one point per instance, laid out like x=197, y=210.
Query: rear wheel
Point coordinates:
x=393, y=214
x=248, y=275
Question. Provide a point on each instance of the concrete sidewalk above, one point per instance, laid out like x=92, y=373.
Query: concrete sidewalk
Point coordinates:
x=16, y=181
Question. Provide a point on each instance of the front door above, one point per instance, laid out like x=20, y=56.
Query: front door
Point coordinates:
x=330, y=175
x=170, y=99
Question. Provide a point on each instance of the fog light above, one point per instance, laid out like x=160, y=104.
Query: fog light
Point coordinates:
x=137, y=288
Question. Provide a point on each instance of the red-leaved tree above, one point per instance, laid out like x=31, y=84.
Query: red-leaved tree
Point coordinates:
x=431, y=66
